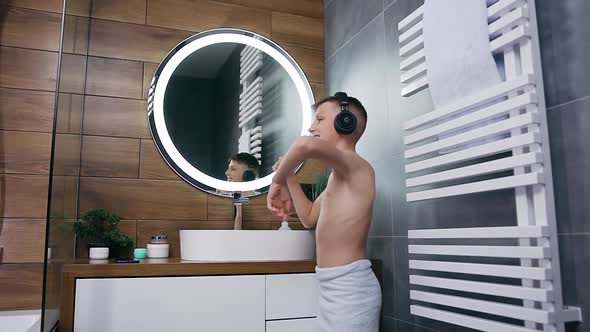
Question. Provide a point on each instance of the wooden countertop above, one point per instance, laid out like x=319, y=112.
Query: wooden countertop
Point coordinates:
x=167, y=267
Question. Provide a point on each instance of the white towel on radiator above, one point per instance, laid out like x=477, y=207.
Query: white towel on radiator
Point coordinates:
x=350, y=298
x=459, y=58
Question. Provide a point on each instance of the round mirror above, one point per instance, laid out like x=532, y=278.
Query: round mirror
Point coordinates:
x=223, y=106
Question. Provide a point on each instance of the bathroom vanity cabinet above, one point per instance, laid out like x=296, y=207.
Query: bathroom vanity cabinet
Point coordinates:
x=204, y=303
x=171, y=295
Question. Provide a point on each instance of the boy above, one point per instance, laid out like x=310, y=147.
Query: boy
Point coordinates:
x=350, y=295
x=242, y=167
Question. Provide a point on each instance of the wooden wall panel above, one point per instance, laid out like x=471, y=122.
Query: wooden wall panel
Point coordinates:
x=69, y=113
x=318, y=89
x=26, y=110
x=61, y=240
x=132, y=11
x=27, y=69
x=310, y=8
x=74, y=7
x=77, y=7
x=29, y=37
x=215, y=224
x=219, y=208
x=129, y=227
x=21, y=286
x=311, y=61
x=152, y=165
x=73, y=73
x=23, y=196
x=47, y=5
x=256, y=210
x=223, y=15
x=144, y=199
x=110, y=157
x=76, y=35
x=297, y=30
x=115, y=117
x=66, y=160
x=30, y=28
x=114, y=39
x=256, y=225
x=23, y=240
x=202, y=15
x=24, y=152
x=64, y=197
x=115, y=78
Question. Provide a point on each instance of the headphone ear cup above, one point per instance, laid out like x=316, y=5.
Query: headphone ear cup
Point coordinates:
x=249, y=175
x=345, y=123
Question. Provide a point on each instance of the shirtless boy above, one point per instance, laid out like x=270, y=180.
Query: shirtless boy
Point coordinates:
x=350, y=295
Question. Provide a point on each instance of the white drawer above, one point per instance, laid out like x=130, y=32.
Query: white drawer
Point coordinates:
x=179, y=304
x=293, y=325
x=291, y=295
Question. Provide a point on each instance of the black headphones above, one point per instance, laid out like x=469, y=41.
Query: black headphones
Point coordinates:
x=345, y=121
x=249, y=175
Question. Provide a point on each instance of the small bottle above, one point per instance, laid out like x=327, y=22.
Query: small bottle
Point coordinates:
x=284, y=226
x=158, y=247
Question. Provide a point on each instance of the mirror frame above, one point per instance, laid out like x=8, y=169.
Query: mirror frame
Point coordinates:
x=157, y=90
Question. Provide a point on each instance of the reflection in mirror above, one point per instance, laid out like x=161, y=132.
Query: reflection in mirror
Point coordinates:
x=230, y=110
x=209, y=122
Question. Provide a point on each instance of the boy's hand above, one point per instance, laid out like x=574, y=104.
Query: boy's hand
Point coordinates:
x=279, y=200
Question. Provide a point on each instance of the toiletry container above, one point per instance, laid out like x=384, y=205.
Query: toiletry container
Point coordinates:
x=98, y=253
x=140, y=253
x=158, y=247
x=285, y=226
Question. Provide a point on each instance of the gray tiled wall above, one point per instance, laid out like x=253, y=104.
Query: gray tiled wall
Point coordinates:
x=362, y=59
x=564, y=31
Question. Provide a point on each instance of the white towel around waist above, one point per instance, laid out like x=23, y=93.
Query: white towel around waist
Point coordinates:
x=350, y=298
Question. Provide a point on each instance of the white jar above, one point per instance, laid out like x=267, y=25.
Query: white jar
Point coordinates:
x=158, y=250
x=98, y=253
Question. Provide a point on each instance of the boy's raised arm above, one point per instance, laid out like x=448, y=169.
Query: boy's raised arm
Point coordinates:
x=307, y=147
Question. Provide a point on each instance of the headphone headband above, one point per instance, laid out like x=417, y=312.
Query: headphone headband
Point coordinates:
x=342, y=98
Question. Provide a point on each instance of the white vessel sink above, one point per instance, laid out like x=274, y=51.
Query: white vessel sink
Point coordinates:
x=246, y=245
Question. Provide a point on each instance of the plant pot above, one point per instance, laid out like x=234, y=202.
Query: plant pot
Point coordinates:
x=121, y=252
x=98, y=252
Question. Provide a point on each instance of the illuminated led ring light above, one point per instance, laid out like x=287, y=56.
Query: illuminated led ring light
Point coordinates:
x=179, y=54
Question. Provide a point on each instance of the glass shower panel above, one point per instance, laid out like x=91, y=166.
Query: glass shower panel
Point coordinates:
x=65, y=160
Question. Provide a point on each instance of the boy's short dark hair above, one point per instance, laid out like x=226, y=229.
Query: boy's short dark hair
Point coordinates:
x=351, y=100
x=248, y=160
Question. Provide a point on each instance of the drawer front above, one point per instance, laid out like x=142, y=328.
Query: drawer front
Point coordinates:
x=179, y=304
x=291, y=295
x=293, y=325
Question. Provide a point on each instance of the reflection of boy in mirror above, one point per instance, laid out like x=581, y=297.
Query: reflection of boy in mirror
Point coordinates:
x=242, y=167
x=350, y=295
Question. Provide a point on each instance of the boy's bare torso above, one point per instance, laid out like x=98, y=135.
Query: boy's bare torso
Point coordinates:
x=346, y=207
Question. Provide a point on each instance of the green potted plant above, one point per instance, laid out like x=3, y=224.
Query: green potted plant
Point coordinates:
x=98, y=229
x=314, y=190
x=321, y=182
